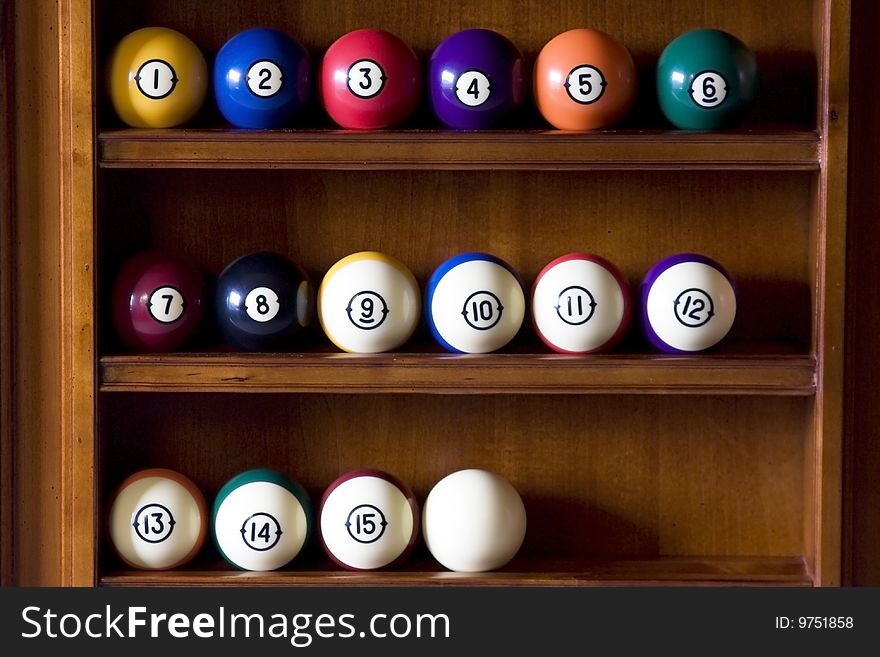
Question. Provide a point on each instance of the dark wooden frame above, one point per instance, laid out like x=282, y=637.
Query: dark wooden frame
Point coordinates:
x=7, y=302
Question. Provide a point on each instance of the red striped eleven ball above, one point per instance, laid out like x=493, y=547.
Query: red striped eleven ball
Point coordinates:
x=581, y=304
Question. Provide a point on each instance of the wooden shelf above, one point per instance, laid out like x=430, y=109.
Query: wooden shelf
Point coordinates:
x=459, y=374
x=663, y=571
x=512, y=150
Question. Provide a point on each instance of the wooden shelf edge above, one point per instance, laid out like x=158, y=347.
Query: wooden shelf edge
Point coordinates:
x=668, y=571
x=449, y=150
x=459, y=374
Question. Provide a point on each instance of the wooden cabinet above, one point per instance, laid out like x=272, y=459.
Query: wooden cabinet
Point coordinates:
x=634, y=467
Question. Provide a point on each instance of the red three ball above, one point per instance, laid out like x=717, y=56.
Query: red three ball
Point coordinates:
x=369, y=80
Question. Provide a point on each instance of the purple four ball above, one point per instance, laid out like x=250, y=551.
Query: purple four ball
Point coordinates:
x=475, y=79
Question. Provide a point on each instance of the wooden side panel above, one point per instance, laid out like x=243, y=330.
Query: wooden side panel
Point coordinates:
x=38, y=489
x=55, y=523
x=7, y=267
x=862, y=513
x=824, y=475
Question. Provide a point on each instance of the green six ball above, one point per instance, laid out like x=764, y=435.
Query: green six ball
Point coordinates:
x=706, y=80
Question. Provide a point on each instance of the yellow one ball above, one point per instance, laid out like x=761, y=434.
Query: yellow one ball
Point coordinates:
x=157, y=78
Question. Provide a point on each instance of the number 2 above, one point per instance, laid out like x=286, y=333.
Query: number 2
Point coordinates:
x=265, y=75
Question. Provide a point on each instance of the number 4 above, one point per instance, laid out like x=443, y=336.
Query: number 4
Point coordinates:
x=474, y=88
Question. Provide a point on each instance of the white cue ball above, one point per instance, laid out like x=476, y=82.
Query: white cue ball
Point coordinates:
x=473, y=521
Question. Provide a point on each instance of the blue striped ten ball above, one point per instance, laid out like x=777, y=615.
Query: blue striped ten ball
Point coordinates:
x=475, y=303
x=580, y=304
x=158, y=520
x=368, y=519
x=688, y=303
x=262, y=520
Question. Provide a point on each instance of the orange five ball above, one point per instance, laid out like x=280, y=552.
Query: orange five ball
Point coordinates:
x=584, y=80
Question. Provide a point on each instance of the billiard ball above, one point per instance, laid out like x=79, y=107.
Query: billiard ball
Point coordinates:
x=475, y=303
x=473, y=521
x=263, y=301
x=261, y=520
x=262, y=79
x=688, y=303
x=158, y=301
x=706, y=79
x=369, y=302
x=584, y=80
x=580, y=304
x=370, y=79
x=475, y=79
x=158, y=520
x=368, y=519
x=157, y=78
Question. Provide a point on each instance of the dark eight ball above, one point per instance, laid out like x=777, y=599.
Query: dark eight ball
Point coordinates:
x=263, y=301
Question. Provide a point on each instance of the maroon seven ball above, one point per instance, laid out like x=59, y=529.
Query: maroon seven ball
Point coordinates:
x=158, y=301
